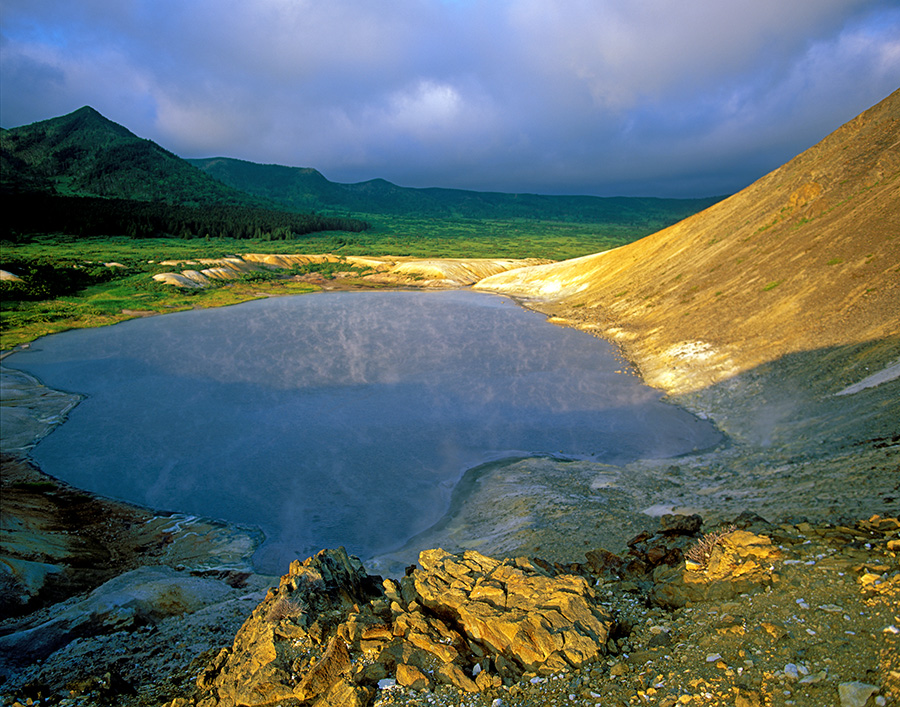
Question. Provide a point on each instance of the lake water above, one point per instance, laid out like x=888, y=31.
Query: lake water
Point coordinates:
x=337, y=418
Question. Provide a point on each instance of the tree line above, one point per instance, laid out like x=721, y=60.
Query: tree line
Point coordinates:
x=27, y=214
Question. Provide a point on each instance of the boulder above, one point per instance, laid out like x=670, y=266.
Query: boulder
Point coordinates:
x=514, y=609
x=290, y=649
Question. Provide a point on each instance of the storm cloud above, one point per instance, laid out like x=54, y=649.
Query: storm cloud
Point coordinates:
x=634, y=97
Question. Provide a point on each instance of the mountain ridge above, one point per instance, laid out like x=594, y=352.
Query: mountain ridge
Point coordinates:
x=307, y=188
x=83, y=153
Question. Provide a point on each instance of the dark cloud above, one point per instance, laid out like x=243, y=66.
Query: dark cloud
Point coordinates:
x=587, y=96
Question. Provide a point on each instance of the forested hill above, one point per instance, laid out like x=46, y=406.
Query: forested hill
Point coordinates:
x=85, y=154
x=84, y=175
x=307, y=189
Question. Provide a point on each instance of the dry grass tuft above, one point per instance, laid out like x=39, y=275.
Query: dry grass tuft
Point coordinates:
x=700, y=553
x=286, y=608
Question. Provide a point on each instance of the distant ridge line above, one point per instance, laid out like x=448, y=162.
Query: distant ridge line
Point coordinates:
x=307, y=188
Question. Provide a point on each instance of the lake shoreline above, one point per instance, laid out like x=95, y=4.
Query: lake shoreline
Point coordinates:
x=458, y=529
x=333, y=399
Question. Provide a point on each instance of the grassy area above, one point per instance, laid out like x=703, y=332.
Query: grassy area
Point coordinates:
x=102, y=295
x=121, y=299
x=470, y=238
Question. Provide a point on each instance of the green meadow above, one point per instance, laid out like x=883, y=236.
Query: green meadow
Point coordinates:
x=66, y=283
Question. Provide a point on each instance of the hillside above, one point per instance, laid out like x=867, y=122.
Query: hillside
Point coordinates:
x=806, y=259
x=85, y=154
x=306, y=189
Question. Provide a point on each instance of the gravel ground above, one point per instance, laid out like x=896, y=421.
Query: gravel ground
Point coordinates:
x=832, y=618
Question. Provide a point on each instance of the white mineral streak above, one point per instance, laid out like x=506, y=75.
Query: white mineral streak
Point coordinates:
x=448, y=272
x=883, y=376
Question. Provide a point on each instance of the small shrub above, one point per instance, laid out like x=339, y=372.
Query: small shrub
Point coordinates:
x=261, y=276
x=702, y=550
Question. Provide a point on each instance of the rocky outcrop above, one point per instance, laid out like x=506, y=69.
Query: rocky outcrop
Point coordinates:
x=514, y=611
x=677, y=565
x=468, y=629
x=331, y=635
x=738, y=562
x=457, y=271
x=215, y=269
x=290, y=648
x=142, y=596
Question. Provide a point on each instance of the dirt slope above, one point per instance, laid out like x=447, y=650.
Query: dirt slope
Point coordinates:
x=806, y=258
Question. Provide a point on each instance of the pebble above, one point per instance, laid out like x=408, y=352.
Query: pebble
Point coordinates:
x=618, y=669
x=814, y=677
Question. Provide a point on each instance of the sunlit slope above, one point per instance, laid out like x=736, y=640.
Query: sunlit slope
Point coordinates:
x=805, y=258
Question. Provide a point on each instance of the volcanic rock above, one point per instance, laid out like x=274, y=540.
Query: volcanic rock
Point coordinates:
x=330, y=633
x=515, y=609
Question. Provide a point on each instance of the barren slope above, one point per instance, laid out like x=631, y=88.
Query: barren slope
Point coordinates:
x=806, y=258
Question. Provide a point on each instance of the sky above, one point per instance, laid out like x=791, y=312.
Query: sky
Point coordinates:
x=671, y=98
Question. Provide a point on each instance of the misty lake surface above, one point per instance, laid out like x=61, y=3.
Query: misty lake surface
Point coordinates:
x=341, y=418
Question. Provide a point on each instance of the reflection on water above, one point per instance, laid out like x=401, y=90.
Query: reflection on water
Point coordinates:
x=339, y=418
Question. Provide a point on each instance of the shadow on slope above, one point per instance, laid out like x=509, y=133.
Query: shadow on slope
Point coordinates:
x=791, y=404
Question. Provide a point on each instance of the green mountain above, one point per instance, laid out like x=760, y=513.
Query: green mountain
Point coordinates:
x=85, y=154
x=306, y=189
x=84, y=175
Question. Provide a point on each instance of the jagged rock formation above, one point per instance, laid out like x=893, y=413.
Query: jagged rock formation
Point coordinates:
x=330, y=634
x=807, y=611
